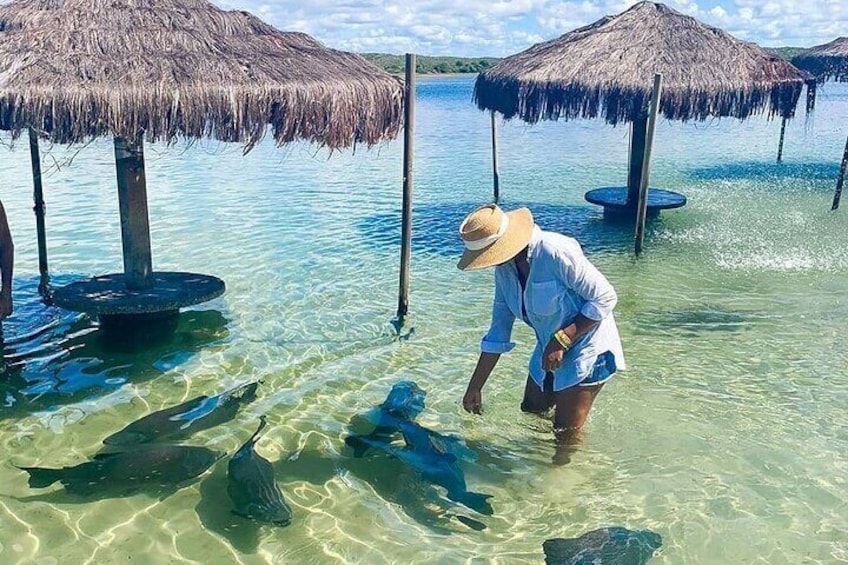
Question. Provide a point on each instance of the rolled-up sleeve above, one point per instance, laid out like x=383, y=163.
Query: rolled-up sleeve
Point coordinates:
x=587, y=281
x=497, y=340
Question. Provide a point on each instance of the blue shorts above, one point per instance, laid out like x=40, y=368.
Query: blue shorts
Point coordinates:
x=602, y=371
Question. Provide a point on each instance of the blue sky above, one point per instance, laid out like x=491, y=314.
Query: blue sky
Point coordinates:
x=502, y=27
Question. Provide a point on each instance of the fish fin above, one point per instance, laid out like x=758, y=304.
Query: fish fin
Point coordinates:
x=244, y=393
x=359, y=446
x=471, y=522
x=40, y=477
x=476, y=501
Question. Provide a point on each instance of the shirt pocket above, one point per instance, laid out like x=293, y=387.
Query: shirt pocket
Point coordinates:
x=543, y=298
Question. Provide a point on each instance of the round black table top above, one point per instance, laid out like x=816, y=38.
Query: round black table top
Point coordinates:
x=107, y=295
x=616, y=197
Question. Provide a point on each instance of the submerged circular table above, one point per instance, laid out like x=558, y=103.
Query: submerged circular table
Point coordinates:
x=614, y=201
x=108, y=297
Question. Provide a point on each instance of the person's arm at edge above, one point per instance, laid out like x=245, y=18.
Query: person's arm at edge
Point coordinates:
x=7, y=264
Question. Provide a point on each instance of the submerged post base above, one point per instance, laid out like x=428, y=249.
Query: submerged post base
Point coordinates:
x=616, y=207
x=109, y=298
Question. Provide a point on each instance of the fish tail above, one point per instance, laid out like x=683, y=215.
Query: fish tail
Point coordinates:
x=262, y=423
x=40, y=478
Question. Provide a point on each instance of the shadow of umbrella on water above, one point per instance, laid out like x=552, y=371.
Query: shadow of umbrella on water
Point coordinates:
x=435, y=227
x=766, y=171
x=56, y=358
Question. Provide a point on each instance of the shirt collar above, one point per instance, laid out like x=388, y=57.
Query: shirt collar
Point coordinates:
x=533, y=246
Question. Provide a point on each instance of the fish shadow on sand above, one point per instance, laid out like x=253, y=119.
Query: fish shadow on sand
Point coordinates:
x=394, y=481
x=389, y=478
x=606, y=546
x=435, y=226
x=693, y=323
x=68, y=359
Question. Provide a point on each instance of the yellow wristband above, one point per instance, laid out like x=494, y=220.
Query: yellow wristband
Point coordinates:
x=563, y=339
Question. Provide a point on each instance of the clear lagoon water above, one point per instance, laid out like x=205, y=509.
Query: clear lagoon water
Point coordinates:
x=727, y=436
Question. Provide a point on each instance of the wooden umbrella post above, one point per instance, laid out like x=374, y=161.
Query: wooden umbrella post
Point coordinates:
x=811, y=94
x=132, y=201
x=642, y=209
x=841, y=180
x=638, y=133
x=780, y=143
x=496, y=176
x=406, y=218
x=38, y=208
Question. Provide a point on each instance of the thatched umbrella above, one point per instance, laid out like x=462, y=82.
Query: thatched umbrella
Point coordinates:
x=162, y=70
x=825, y=62
x=606, y=70
x=828, y=61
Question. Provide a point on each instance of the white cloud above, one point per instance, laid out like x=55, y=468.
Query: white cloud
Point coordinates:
x=501, y=27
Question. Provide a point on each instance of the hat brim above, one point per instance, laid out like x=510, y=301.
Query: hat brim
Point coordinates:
x=517, y=236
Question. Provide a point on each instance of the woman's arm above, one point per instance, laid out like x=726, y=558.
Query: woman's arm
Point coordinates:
x=600, y=298
x=496, y=342
x=473, y=399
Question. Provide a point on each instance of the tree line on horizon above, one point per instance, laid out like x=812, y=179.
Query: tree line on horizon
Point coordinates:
x=426, y=65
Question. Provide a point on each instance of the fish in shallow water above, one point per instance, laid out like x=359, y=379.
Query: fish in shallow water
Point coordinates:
x=381, y=424
x=179, y=422
x=607, y=546
x=426, y=453
x=144, y=466
x=252, y=487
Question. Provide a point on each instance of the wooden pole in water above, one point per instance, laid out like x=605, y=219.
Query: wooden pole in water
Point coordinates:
x=642, y=209
x=132, y=202
x=638, y=131
x=811, y=94
x=841, y=180
x=38, y=208
x=780, y=144
x=496, y=176
x=406, y=218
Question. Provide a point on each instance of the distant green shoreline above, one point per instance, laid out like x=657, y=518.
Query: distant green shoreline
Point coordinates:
x=432, y=65
x=461, y=65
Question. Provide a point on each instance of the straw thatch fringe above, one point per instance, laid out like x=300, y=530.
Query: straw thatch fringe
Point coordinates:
x=606, y=69
x=164, y=69
x=828, y=61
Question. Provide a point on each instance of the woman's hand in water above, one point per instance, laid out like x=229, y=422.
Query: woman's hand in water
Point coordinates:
x=473, y=400
x=552, y=357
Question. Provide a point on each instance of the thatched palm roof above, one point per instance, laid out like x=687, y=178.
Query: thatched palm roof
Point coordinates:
x=76, y=69
x=607, y=69
x=826, y=61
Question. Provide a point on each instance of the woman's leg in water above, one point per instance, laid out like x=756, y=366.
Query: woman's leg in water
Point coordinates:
x=536, y=401
x=572, y=408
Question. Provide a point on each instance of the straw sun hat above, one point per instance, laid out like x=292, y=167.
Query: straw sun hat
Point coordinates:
x=492, y=236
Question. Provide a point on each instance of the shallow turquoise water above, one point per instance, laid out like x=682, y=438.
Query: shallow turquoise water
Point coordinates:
x=727, y=435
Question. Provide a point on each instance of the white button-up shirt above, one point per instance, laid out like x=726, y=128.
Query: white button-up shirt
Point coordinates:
x=562, y=284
